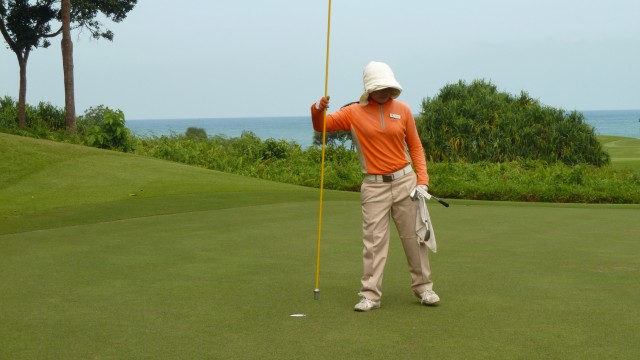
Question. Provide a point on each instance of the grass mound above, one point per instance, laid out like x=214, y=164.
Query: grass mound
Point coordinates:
x=108, y=255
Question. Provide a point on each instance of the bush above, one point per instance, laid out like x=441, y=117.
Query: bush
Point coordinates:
x=108, y=132
x=333, y=138
x=474, y=122
x=282, y=161
x=275, y=149
x=46, y=115
x=535, y=181
x=8, y=113
x=42, y=119
x=93, y=116
x=195, y=133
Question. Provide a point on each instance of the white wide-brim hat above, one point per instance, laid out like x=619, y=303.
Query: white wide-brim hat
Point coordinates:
x=378, y=76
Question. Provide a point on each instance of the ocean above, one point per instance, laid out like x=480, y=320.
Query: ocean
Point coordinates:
x=614, y=122
x=290, y=128
x=298, y=128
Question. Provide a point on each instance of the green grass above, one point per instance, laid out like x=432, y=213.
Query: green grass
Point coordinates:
x=624, y=152
x=205, y=265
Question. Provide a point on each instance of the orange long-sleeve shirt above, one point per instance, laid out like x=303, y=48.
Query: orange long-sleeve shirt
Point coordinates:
x=384, y=135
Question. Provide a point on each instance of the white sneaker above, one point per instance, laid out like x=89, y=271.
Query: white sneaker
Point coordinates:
x=429, y=297
x=366, y=304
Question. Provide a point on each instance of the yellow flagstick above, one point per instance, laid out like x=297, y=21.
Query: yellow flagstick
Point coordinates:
x=316, y=291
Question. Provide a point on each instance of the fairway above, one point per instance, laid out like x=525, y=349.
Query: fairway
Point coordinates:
x=624, y=152
x=114, y=256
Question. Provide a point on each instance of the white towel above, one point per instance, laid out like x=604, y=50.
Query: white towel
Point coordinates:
x=424, y=228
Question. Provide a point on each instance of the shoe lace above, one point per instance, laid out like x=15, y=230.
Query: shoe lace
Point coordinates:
x=365, y=301
x=428, y=293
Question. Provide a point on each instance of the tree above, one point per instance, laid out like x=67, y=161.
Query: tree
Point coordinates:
x=27, y=25
x=196, y=133
x=67, y=65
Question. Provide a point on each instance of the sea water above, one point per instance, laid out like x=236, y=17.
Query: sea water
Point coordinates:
x=614, y=122
x=290, y=128
x=298, y=128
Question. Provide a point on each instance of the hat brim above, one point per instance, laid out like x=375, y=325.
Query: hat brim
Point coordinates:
x=364, y=98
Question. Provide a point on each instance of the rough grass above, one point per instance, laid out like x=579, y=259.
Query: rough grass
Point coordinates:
x=204, y=265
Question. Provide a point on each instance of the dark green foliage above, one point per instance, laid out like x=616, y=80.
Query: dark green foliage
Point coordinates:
x=474, y=122
x=535, y=181
x=41, y=118
x=85, y=13
x=30, y=25
x=333, y=138
x=92, y=116
x=8, y=113
x=271, y=159
x=111, y=133
x=26, y=26
x=196, y=133
x=46, y=115
x=275, y=149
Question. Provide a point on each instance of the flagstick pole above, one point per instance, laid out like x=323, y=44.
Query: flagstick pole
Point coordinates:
x=316, y=291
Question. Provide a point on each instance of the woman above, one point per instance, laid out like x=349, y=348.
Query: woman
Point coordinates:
x=384, y=133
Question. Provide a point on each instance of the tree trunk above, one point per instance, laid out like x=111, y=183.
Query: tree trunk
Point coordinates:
x=67, y=65
x=22, y=93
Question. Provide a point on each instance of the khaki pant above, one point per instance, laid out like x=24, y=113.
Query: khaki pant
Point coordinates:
x=380, y=201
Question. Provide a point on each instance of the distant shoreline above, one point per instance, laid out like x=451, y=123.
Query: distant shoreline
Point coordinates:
x=298, y=128
x=308, y=116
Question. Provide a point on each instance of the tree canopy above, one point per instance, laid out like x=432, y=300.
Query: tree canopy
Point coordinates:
x=475, y=122
x=85, y=12
x=29, y=23
x=26, y=25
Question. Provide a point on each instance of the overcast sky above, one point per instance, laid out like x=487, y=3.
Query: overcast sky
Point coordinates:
x=242, y=58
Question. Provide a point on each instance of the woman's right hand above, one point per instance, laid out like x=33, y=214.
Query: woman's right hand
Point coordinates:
x=322, y=104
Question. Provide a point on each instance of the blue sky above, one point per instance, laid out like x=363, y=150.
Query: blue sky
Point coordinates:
x=241, y=58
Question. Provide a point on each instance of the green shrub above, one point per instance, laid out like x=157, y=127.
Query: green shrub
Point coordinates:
x=282, y=161
x=8, y=113
x=111, y=133
x=46, y=115
x=535, y=180
x=474, y=122
x=275, y=149
x=332, y=138
x=42, y=119
x=93, y=116
x=196, y=133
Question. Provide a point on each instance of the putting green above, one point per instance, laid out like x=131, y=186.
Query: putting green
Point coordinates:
x=203, y=265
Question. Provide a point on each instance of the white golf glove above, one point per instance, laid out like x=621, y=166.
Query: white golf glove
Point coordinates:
x=421, y=190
